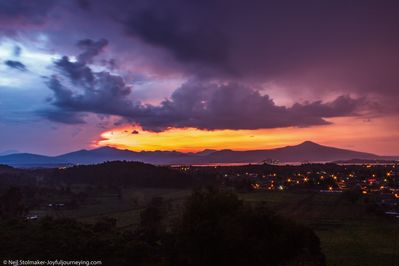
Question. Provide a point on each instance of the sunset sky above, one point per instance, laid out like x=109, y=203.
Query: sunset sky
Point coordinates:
x=189, y=75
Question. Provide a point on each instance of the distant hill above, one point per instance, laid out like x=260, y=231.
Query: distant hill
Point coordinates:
x=7, y=152
x=127, y=174
x=27, y=159
x=305, y=152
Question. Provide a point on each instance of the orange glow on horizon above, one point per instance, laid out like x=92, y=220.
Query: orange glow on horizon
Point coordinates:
x=338, y=134
x=187, y=139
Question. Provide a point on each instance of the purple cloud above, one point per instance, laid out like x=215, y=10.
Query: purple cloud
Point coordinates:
x=197, y=103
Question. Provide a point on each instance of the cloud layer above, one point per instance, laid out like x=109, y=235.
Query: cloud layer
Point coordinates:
x=208, y=105
x=197, y=103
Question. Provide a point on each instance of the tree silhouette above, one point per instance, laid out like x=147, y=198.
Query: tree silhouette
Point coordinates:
x=217, y=228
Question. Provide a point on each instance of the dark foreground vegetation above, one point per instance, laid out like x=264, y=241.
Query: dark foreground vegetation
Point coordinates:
x=214, y=228
x=130, y=213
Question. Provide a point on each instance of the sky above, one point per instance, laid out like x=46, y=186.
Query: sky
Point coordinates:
x=190, y=75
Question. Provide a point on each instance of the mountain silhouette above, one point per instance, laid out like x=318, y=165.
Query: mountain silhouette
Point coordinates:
x=307, y=151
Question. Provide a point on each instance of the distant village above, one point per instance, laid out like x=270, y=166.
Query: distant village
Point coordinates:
x=377, y=183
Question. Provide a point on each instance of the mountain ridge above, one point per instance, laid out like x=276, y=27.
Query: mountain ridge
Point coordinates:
x=306, y=151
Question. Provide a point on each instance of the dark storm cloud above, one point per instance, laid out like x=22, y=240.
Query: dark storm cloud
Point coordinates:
x=15, y=64
x=22, y=12
x=233, y=106
x=345, y=46
x=62, y=116
x=96, y=92
x=91, y=49
x=281, y=31
x=230, y=106
x=79, y=72
x=107, y=94
x=189, y=42
x=321, y=45
x=199, y=104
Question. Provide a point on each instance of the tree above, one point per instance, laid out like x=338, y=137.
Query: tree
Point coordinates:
x=217, y=228
x=151, y=226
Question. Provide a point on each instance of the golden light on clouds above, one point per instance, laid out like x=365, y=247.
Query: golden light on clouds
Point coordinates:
x=339, y=134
